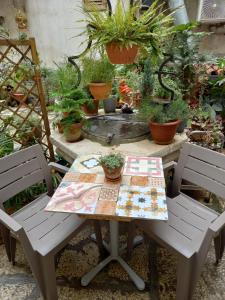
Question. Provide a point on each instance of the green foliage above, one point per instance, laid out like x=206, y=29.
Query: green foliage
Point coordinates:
x=125, y=28
x=147, y=81
x=6, y=144
x=133, y=80
x=160, y=92
x=72, y=118
x=184, y=46
x=61, y=80
x=155, y=112
x=112, y=160
x=70, y=101
x=97, y=70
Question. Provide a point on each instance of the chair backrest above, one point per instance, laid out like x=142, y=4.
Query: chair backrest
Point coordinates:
x=21, y=170
x=202, y=167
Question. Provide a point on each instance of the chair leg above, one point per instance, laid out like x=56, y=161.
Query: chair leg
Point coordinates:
x=130, y=238
x=47, y=277
x=13, y=249
x=186, y=278
x=6, y=240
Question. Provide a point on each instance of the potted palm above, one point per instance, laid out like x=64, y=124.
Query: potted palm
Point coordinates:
x=164, y=119
x=122, y=33
x=98, y=75
x=112, y=165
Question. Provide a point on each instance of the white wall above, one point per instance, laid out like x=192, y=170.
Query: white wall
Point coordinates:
x=53, y=23
x=8, y=11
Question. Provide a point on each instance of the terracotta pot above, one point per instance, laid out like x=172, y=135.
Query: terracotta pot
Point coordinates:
x=19, y=97
x=100, y=91
x=65, y=114
x=163, y=134
x=73, y=133
x=118, y=55
x=91, y=110
x=112, y=174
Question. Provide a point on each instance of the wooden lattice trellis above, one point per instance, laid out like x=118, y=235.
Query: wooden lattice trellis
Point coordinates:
x=23, y=114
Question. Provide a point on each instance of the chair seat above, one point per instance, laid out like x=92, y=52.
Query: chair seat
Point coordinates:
x=187, y=224
x=46, y=230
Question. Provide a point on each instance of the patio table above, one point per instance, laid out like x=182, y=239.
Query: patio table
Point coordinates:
x=139, y=194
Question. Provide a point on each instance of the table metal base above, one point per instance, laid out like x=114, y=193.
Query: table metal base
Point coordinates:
x=114, y=255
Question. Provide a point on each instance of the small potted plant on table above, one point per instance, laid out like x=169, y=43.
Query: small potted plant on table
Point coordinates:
x=97, y=75
x=122, y=33
x=164, y=119
x=112, y=165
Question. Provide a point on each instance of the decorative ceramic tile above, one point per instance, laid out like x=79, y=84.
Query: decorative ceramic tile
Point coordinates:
x=142, y=202
x=100, y=178
x=87, y=177
x=107, y=194
x=105, y=208
x=139, y=180
x=143, y=166
x=87, y=164
x=126, y=180
x=154, y=181
x=71, y=177
x=80, y=198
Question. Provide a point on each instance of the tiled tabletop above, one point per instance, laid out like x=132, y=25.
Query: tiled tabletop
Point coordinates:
x=139, y=194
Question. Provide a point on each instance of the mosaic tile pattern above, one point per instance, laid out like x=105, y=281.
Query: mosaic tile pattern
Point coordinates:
x=142, y=202
x=84, y=190
x=143, y=166
x=86, y=164
x=139, y=180
x=75, y=198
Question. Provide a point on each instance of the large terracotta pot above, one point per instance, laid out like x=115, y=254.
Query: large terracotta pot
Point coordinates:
x=73, y=133
x=163, y=134
x=91, y=110
x=100, y=91
x=121, y=55
x=112, y=174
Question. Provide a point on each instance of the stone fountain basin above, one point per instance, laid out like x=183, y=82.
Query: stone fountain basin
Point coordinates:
x=115, y=129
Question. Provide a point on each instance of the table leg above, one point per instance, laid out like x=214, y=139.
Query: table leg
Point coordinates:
x=114, y=245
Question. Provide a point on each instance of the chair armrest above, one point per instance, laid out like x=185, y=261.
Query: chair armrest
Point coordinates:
x=169, y=166
x=58, y=167
x=9, y=222
x=218, y=224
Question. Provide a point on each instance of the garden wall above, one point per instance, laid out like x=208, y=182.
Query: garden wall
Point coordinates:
x=53, y=24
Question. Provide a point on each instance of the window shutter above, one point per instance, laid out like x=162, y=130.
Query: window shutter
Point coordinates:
x=98, y=4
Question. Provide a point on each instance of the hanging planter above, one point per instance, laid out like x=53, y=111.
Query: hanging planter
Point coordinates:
x=124, y=31
x=118, y=54
x=100, y=91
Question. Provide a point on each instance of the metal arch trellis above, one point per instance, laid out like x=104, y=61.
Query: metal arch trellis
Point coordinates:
x=160, y=72
x=23, y=96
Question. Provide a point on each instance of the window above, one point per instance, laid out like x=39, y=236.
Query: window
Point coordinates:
x=99, y=4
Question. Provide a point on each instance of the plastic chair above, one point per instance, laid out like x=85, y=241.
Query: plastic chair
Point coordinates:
x=191, y=226
x=42, y=234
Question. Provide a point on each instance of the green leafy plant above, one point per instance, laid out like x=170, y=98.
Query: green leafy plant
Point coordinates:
x=159, y=113
x=112, y=160
x=97, y=70
x=69, y=100
x=161, y=92
x=127, y=27
x=6, y=144
x=148, y=80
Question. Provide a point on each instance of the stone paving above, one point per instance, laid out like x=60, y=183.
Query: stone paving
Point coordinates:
x=17, y=283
